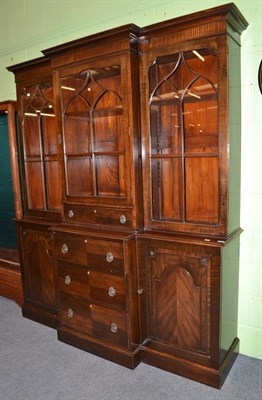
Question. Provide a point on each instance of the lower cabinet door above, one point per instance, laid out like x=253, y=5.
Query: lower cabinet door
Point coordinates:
x=178, y=305
x=38, y=265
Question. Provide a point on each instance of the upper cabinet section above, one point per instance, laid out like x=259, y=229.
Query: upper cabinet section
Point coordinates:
x=38, y=139
x=98, y=96
x=186, y=124
x=81, y=109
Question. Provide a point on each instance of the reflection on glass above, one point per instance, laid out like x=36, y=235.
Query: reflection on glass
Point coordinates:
x=184, y=136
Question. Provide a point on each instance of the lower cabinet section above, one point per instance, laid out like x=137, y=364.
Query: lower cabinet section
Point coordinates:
x=163, y=299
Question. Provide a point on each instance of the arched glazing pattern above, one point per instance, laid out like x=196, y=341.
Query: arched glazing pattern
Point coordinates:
x=92, y=126
x=183, y=100
x=40, y=147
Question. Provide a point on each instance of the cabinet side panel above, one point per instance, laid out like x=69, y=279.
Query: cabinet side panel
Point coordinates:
x=234, y=136
x=229, y=296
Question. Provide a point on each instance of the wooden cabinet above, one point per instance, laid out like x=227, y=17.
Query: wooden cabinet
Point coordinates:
x=131, y=236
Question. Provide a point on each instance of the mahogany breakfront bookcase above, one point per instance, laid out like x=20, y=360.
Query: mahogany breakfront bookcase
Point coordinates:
x=129, y=240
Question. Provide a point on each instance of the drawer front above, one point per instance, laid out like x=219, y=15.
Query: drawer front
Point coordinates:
x=104, y=254
x=98, y=215
x=73, y=280
x=70, y=248
x=75, y=314
x=109, y=325
x=107, y=289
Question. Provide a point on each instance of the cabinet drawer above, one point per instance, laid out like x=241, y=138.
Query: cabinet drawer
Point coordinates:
x=75, y=314
x=108, y=289
x=73, y=280
x=98, y=215
x=105, y=254
x=70, y=248
x=109, y=325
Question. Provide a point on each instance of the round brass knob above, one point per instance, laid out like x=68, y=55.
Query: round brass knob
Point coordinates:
x=109, y=257
x=64, y=248
x=70, y=313
x=122, y=219
x=71, y=213
x=67, y=279
x=112, y=291
x=203, y=261
x=113, y=327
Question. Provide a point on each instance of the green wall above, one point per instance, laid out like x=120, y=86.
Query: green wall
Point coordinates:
x=29, y=26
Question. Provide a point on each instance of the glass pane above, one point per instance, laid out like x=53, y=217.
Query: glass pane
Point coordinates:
x=203, y=62
x=107, y=129
x=32, y=135
x=49, y=133
x=201, y=118
x=108, y=177
x=202, y=189
x=54, y=194
x=74, y=87
x=76, y=110
x=166, y=137
x=76, y=135
x=77, y=170
x=35, y=185
x=107, y=115
x=166, y=189
x=201, y=131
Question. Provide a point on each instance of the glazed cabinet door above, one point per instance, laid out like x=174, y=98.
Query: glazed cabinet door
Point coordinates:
x=92, y=109
x=38, y=268
x=175, y=311
x=183, y=170
x=39, y=149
